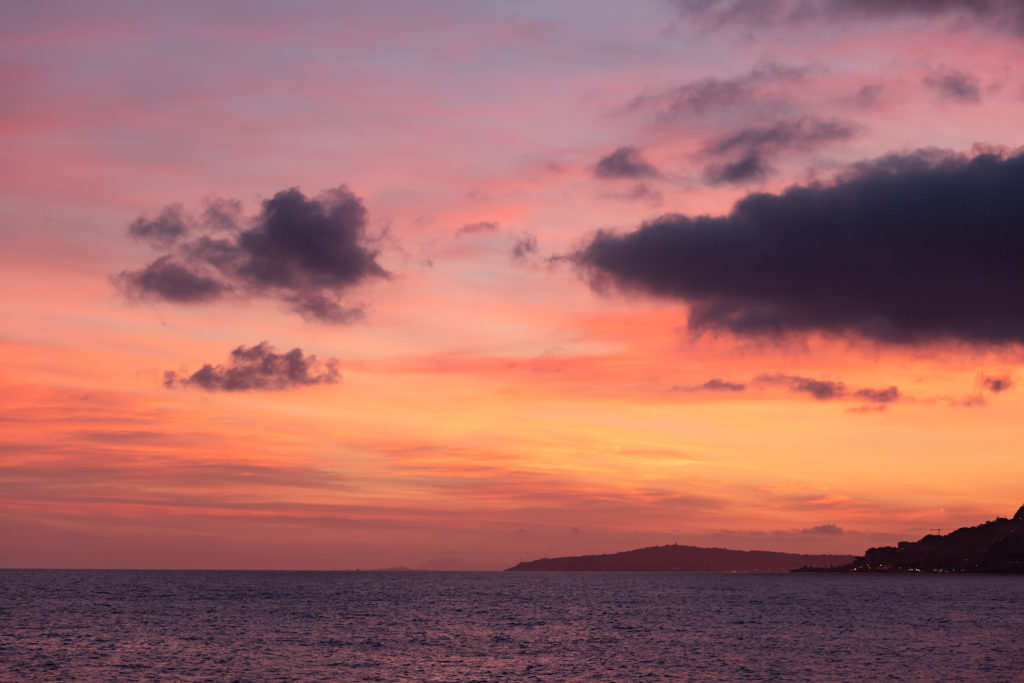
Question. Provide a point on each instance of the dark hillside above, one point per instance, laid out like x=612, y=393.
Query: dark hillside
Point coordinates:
x=682, y=558
x=996, y=546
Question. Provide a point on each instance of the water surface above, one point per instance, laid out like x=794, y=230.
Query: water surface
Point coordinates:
x=452, y=626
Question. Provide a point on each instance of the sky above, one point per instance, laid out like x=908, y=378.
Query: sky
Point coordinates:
x=451, y=285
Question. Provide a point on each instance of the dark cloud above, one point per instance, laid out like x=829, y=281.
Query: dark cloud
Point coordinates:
x=162, y=231
x=869, y=95
x=824, y=530
x=639, y=192
x=259, y=368
x=997, y=384
x=222, y=214
x=524, y=247
x=476, y=228
x=972, y=401
x=305, y=252
x=822, y=390
x=751, y=147
x=1001, y=13
x=806, y=132
x=999, y=10
x=917, y=249
x=889, y=395
x=171, y=281
x=906, y=163
x=721, y=385
x=751, y=167
x=710, y=94
x=955, y=85
x=625, y=162
x=715, y=384
x=317, y=307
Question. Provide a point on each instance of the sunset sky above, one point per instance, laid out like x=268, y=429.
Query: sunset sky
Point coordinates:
x=453, y=284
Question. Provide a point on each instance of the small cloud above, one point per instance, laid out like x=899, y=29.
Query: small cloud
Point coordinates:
x=869, y=95
x=259, y=368
x=750, y=148
x=160, y=232
x=955, y=85
x=721, y=385
x=715, y=384
x=714, y=94
x=806, y=132
x=222, y=214
x=997, y=384
x=524, y=247
x=890, y=395
x=822, y=390
x=752, y=167
x=824, y=530
x=625, y=162
x=169, y=280
x=476, y=228
x=971, y=401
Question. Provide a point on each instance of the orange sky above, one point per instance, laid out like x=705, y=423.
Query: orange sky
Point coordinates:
x=488, y=408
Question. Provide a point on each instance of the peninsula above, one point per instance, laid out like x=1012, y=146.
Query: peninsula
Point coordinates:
x=683, y=558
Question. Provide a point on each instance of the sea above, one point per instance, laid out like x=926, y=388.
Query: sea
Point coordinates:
x=60, y=625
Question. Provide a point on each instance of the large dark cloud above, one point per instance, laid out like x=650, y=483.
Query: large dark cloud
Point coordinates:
x=305, y=252
x=1001, y=13
x=711, y=94
x=625, y=162
x=750, y=148
x=259, y=368
x=907, y=249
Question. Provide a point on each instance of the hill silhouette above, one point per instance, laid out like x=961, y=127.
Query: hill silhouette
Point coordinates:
x=683, y=558
x=996, y=546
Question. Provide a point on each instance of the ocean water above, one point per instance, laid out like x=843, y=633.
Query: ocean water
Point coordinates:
x=452, y=626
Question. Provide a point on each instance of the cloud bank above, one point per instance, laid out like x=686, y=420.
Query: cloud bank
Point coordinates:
x=305, y=252
x=908, y=249
x=259, y=368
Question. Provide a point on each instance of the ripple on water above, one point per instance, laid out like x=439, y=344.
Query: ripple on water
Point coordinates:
x=440, y=626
